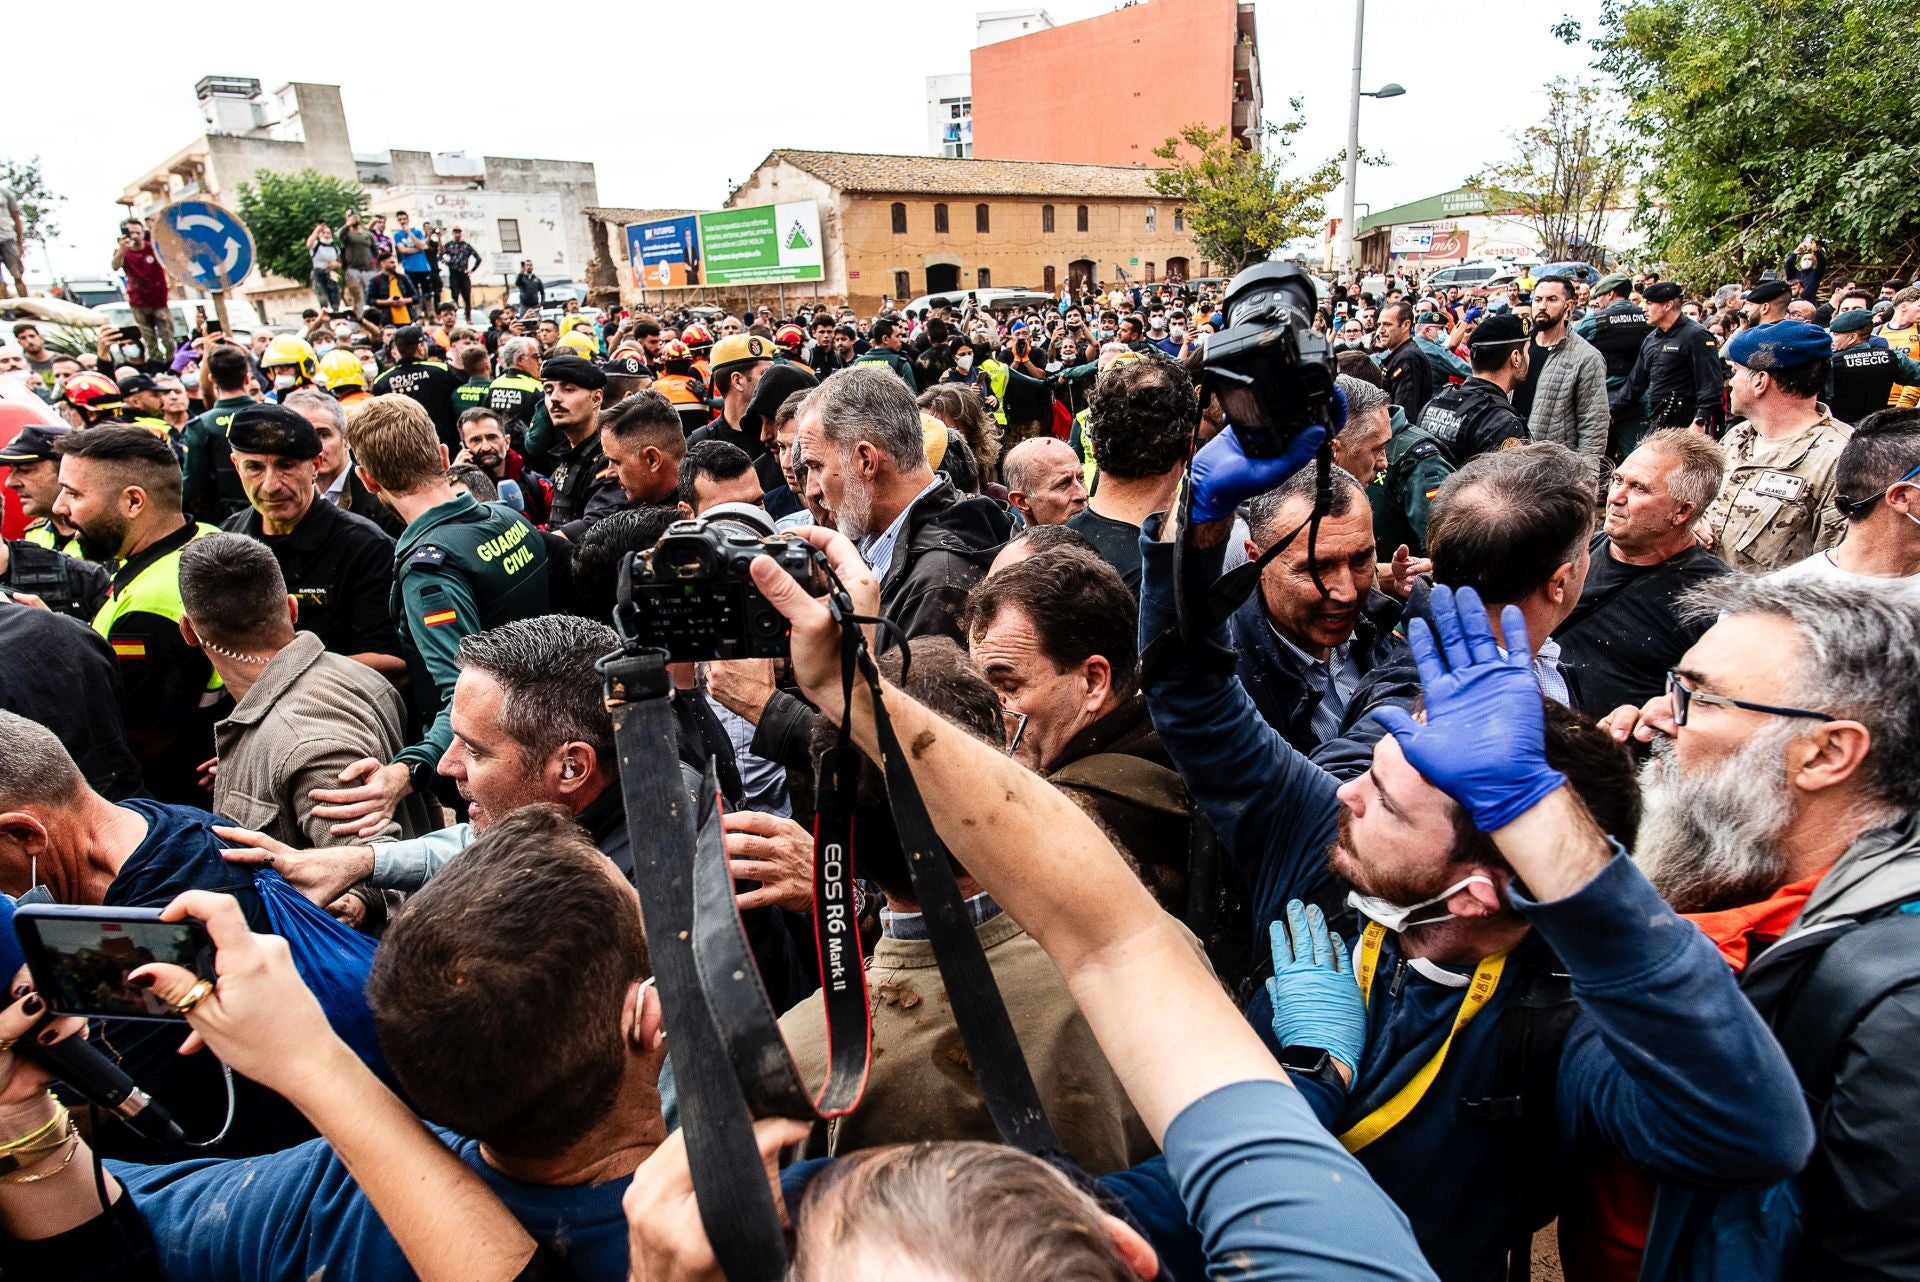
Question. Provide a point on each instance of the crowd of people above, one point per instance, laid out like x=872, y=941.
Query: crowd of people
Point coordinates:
x=1494, y=811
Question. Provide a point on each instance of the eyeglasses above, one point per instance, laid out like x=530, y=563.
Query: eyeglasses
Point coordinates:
x=1014, y=724
x=1684, y=697
x=1854, y=509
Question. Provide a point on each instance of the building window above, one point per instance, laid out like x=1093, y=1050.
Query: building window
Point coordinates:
x=940, y=220
x=1079, y=217
x=1048, y=280
x=1046, y=219
x=899, y=219
x=1179, y=220
x=1153, y=219
x=985, y=280
x=902, y=284
x=980, y=220
x=1149, y=273
x=509, y=235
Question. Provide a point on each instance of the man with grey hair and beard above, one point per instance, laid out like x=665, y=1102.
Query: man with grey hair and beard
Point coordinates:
x=861, y=446
x=1780, y=813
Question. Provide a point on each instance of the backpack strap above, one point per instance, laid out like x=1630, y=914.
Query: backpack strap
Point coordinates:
x=1853, y=975
x=1523, y=1106
x=1127, y=778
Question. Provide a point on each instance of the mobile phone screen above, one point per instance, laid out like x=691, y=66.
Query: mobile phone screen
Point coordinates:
x=80, y=963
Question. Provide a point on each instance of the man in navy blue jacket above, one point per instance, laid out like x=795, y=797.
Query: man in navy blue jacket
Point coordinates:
x=1666, y=1064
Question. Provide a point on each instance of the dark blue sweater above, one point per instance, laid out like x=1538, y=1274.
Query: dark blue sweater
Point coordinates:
x=1667, y=1065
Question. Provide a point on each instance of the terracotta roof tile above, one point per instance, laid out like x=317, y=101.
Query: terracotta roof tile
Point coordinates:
x=940, y=175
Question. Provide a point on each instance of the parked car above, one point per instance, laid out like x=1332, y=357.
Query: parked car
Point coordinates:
x=91, y=291
x=1473, y=273
x=1579, y=273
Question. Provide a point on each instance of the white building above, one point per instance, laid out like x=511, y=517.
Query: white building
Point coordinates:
x=950, y=97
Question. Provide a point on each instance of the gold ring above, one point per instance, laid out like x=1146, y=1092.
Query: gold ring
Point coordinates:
x=195, y=995
x=6, y=1044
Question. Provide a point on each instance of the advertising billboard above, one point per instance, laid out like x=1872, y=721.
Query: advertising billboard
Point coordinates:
x=664, y=254
x=762, y=245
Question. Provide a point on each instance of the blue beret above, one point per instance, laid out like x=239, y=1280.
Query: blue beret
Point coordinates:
x=1781, y=345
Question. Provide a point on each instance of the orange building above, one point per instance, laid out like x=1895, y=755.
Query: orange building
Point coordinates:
x=1109, y=89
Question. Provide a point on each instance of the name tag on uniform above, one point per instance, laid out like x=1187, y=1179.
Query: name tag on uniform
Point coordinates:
x=1779, y=485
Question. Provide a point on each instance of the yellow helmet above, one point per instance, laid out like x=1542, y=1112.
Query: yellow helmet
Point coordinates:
x=578, y=343
x=285, y=349
x=341, y=368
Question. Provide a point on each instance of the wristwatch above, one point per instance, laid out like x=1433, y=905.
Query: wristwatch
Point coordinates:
x=1312, y=1063
x=421, y=774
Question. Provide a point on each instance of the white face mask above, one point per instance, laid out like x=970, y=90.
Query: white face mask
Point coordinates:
x=285, y=381
x=1397, y=917
x=371, y=370
x=963, y=362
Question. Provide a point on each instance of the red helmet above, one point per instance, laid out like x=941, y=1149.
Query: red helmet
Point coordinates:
x=696, y=335
x=90, y=391
x=673, y=351
x=791, y=336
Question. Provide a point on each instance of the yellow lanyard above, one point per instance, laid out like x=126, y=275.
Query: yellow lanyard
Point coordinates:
x=1390, y=1114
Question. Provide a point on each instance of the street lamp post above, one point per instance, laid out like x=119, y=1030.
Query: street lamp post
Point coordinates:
x=1349, y=232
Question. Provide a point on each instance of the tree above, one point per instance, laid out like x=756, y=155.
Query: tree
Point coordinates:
x=1565, y=172
x=38, y=205
x=1238, y=202
x=281, y=210
x=1768, y=121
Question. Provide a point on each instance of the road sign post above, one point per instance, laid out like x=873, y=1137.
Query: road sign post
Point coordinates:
x=207, y=245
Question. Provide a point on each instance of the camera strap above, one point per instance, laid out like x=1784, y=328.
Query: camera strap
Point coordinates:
x=714, y=1001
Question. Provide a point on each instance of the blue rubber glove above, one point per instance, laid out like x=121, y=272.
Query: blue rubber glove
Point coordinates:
x=1316, y=1000
x=1224, y=477
x=1485, y=740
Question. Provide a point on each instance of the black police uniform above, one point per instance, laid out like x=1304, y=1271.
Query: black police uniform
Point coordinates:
x=1618, y=331
x=339, y=567
x=1679, y=372
x=579, y=489
x=432, y=385
x=1409, y=379
x=1863, y=379
x=1471, y=419
x=210, y=487
x=469, y=395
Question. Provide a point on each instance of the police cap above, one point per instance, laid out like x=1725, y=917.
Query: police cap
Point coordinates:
x=132, y=383
x=1781, y=345
x=34, y=444
x=273, y=429
x=626, y=366
x=1767, y=291
x=1662, y=291
x=1498, y=330
x=574, y=370
x=1851, y=321
x=1613, y=283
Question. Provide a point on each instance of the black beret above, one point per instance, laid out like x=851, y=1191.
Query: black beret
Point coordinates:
x=1499, y=328
x=1663, y=291
x=273, y=429
x=1766, y=291
x=574, y=370
x=624, y=367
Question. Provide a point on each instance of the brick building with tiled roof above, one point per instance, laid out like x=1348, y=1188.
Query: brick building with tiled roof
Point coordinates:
x=898, y=227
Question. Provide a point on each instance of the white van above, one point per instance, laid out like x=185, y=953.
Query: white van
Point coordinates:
x=242, y=319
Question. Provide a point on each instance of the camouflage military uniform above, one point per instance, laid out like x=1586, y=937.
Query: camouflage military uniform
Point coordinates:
x=1776, y=506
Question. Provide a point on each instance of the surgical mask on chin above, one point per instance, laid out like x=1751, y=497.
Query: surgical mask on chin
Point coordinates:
x=284, y=382
x=371, y=370
x=963, y=363
x=1397, y=917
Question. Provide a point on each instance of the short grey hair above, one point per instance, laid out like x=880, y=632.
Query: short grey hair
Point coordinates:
x=232, y=589
x=872, y=404
x=1699, y=464
x=1263, y=512
x=1020, y=460
x=307, y=396
x=553, y=694
x=35, y=767
x=1364, y=400
x=514, y=348
x=1860, y=661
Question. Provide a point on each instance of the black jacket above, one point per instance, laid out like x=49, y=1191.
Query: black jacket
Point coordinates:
x=1472, y=419
x=64, y=676
x=1409, y=379
x=1276, y=680
x=949, y=542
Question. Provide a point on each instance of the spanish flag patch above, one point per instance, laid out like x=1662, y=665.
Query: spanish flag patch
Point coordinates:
x=129, y=649
x=438, y=617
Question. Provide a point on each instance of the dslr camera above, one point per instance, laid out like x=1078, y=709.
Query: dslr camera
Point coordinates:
x=691, y=595
x=1272, y=374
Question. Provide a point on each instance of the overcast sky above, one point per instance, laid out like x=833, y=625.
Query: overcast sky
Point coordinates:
x=672, y=102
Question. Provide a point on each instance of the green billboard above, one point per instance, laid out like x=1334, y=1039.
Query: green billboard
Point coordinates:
x=763, y=244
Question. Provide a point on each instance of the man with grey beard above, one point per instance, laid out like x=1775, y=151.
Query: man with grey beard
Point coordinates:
x=863, y=450
x=1780, y=811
